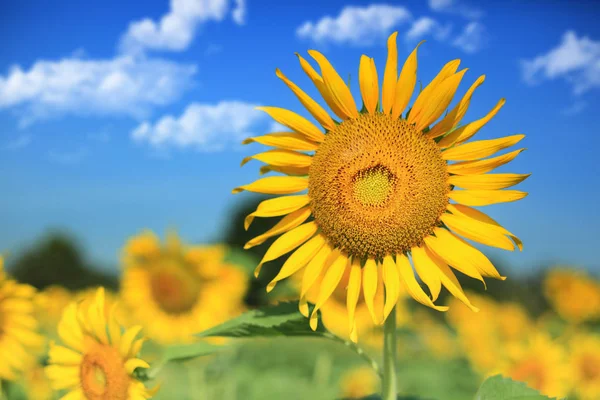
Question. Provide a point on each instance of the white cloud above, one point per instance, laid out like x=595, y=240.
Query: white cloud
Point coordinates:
x=124, y=85
x=472, y=39
x=574, y=108
x=176, y=29
x=205, y=127
x=425, y=26
x=455, y=7
x=356, y=25
x=67, y=157
x=575, y=59
x=17, y=143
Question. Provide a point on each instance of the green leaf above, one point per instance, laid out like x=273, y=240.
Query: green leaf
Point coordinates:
x=282, y=319
x=177, y=353
x=500, y=388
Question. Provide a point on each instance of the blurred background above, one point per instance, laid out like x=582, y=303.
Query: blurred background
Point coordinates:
x=112, y=123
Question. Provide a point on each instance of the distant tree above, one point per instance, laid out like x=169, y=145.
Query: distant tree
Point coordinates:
x=57, y=260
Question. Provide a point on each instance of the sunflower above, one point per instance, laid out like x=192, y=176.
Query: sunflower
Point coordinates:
x=19, y=341
x=573, y=294
x=98, y=359
x=36, y=384
x=358, y=383
x=585, y=365
x=379, y=184
x=177, y=290
x=50, y=304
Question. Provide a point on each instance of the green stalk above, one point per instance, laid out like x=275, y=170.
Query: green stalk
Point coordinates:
x=390, y=391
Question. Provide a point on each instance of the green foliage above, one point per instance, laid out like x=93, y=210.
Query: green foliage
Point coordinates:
x=282, y=319
x=500, y=388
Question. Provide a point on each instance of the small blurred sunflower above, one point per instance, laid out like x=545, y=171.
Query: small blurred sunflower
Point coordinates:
x=36, y=384
x=573, y=294
x=358, y=383
x=584, y=360
x=98, y=358
x=50, y=304
x=541, y=364
x=19, y=341
x=177, y=290
x=379, y=183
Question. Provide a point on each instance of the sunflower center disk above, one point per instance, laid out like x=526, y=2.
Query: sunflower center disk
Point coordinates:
x=103, y=375
x=173, y=289
x=377, y=186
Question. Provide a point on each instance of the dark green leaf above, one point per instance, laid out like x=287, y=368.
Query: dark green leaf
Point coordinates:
x=282, y=319
x=500, y=388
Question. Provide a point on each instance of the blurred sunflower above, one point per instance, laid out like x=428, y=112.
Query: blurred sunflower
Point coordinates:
x=358, y=383
x=98, y=359
x=585, y=366
x=177, y=290
x=573, y=294
x=379, y=186
x=541, y=365
x=19, y=341
x=50, y=304
x=36, y=384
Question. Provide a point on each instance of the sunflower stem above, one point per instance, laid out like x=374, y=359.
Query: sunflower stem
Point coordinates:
x=389, y=391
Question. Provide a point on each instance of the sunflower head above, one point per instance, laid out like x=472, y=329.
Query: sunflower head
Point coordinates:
x=387, y=190
x=175, y=290
x=97, y=357
x=573, y=294
x=584, y=361
x=19, y=341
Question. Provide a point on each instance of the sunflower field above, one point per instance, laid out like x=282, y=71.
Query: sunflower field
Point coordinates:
x=358, y=276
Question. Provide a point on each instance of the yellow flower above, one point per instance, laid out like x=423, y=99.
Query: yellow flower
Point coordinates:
x=50, y=304
x=585, y=365
x=573, y=294
x=19, y=340
x=36, y=384
x=177, y=290
x=98, y=359
x=380, y=185
x=358, y=383
x=541, y=365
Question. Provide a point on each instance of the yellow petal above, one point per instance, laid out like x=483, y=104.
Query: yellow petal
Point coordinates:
x=390, y=75
x=455, y=116
x=288, y=222
x=336, y=86
x=281, y=158
x=426, y=269
x=295, y=122
x=133, y=363
x=480, y=148
x=391, y=280
x=330, y=281
x=369, y=280
x=127, y=340
x=69, y=329
x=369, y=83
x=284, y=140
x=406, y=84
x=487, y=181
x=354, y=284
x=477, y=231
x=318, y=81
x=275, y=185
x=482, y=166
x=448, y=278
x=447, y=71
x=312, y=106
x=485, y=197
x=465, y=254
x=298, y=259
x=76, y=394
x=298, y=171
x=443, y=246
x=437, y=102
x=320, y=261
x=479, y=216
x=288, y=242
x=276, y=207
x=466, y=132
x=407, y=277
x=63, y=355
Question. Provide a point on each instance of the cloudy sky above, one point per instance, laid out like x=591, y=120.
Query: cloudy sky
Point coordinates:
x=115, y=117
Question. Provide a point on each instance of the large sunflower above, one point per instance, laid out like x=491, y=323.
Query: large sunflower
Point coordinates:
x=98, y=359
x=19, y=341
x=380, y=184
x=177, y=290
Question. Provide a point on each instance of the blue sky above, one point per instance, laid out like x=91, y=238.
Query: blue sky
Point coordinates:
x=115, y=117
